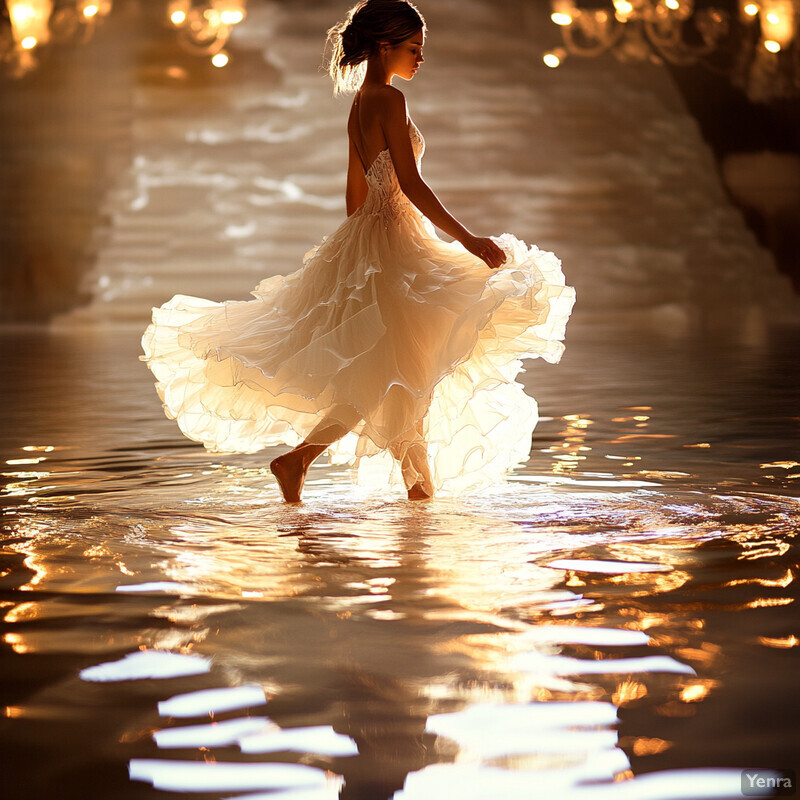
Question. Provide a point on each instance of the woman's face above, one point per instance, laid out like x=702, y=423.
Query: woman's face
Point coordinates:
x=403, y=59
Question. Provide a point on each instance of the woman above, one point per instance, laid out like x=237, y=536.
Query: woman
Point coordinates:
x=389, y=347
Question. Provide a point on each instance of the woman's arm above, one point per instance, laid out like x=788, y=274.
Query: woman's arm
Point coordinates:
x=394, y=121
x=356, y=191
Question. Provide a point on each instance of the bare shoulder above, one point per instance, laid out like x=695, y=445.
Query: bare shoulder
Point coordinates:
x=392, y=100
x=384, y=100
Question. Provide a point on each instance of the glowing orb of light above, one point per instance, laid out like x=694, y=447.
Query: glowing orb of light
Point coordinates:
x=561, y=19
x=551, y=60
x=29, y=42
x=90, y=11
x=178, y=17
x=220, y=59
x=21, y=14
x=674, y=5
x=231, y=17
x=751, y=9
x=772, y=46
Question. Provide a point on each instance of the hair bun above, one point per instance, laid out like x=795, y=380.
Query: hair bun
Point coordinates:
x=356, y=45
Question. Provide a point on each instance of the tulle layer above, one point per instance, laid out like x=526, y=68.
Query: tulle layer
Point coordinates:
x=386, y=331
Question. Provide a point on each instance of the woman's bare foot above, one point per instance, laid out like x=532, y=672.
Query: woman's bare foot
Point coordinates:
x=417, y=492
x=291, y=468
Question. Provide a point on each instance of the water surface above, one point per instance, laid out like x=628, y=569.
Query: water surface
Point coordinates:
x=619, y=612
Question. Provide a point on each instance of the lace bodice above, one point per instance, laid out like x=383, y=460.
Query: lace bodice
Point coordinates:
x=384, y=193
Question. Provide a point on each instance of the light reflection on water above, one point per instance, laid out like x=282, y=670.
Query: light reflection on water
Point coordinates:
x=619, y=607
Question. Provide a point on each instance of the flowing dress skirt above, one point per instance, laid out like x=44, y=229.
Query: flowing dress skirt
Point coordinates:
x=386, y=331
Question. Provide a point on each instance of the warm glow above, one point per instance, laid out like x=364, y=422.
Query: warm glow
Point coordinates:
x=628, y=691
x=782, y=582
x=22, y=13
x=784, y=643
x=551, y=60
x=768, y=602
x=672, y=4
x=178, y=17
x=623, y=7
x=694, y=692
x=561, y=19
x=751, y=9
x=220, y=59
x=778, y=25
x=29, y=22
x=90, y=11
x=28, y=43
x=231, y=17
x=16, y=642
x=644, y=746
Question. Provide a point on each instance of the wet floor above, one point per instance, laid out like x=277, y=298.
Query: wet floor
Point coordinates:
x=618, y=619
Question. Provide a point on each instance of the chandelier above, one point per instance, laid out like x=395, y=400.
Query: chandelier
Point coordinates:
x=33, y=23
x=202, y=27
x=755, y=45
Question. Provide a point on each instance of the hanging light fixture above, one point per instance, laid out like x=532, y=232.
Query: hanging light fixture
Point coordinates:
x=34, y=23
x=762, y=37
x=29, y=30
x=205, y=27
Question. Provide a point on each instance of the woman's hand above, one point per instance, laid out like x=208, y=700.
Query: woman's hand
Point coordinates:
x=485, y=249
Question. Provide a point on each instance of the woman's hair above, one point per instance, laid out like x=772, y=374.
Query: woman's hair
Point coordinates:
x=353, y=40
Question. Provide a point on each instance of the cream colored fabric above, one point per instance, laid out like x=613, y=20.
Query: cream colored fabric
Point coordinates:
x=386, y=331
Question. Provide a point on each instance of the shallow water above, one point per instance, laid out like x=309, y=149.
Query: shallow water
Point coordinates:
x=624, y=605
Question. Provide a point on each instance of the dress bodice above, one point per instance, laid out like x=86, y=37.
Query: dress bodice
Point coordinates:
x=384, y=192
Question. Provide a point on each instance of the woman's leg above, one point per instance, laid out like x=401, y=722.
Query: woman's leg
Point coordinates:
x=291, y=468
x=411, y=451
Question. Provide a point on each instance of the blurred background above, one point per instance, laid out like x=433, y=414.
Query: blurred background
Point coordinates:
x=151, y=147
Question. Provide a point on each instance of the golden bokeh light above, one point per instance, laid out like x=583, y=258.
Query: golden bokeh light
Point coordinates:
x=21, y=13
x=231, y=17
x=772, y=46
x=551, y=60
x=697, y=692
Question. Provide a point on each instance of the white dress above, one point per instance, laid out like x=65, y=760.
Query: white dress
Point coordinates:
x=409, y=342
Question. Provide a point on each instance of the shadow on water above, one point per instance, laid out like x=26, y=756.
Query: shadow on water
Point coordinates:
x=617, y=619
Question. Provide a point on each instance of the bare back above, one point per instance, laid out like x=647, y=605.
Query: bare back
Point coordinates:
x=364, y=126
